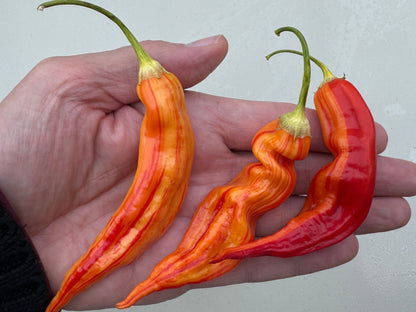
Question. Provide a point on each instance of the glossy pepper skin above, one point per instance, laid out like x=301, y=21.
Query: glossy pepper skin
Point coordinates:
x=340, y=194
x=158, y=188
x=228, y=214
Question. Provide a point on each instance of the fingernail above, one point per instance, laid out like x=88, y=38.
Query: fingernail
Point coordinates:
x=205, y=41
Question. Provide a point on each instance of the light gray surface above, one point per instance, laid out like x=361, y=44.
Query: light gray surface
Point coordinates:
x=372, y=42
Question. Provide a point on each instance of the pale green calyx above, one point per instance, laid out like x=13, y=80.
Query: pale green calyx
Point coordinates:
x=150, y=69
x=295, y=123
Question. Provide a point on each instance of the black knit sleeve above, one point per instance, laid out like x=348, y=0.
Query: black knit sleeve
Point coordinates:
x=23, y=283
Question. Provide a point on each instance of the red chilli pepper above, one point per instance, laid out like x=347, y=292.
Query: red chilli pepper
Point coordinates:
x=340, y=194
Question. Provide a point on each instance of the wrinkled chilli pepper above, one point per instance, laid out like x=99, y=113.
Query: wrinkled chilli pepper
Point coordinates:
x=227, y=215
x=340, y=194
x=159, y=186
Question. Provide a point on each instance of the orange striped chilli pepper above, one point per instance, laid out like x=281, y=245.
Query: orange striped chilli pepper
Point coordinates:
x=160, y=183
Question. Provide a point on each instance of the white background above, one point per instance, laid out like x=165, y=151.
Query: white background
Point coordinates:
x=372, y=42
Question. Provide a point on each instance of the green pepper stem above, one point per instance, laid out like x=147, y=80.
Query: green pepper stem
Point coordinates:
x=306, y=63
x=296, y=122
x=325, y=71
x=148, y=66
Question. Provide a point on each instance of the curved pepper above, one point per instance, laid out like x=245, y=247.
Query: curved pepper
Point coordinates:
x=159, y=185
x=340, y=194
x=227, y=215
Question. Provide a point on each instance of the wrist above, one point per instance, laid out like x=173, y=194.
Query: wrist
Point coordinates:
x=23, y=282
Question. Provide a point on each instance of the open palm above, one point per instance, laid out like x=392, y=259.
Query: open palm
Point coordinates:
x=70, y=134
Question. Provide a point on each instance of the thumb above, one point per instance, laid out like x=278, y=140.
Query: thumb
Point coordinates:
x=191, y=63
x=116, y=72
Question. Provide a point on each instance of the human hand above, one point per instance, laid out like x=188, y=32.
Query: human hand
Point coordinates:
x=70, y=134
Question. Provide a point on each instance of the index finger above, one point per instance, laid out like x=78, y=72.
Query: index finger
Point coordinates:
x=237, y=121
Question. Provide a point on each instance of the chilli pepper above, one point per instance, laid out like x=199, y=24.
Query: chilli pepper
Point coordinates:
x=340, y=194
x=227, y=215
x=164, y=165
